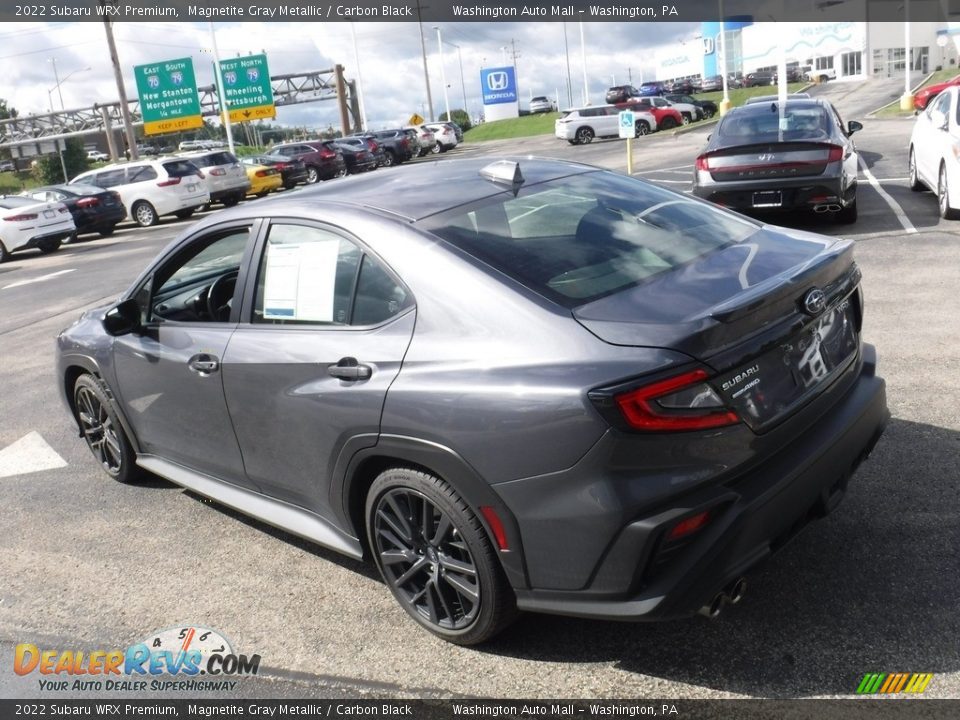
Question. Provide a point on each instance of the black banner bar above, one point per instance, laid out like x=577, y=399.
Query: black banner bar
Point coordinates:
x=479, y=10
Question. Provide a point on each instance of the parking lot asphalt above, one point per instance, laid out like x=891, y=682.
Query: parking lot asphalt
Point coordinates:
x=874, y=587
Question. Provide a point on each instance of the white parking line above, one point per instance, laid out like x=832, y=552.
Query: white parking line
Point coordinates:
x=41, y=278
x=31, y=453
x=894, y=205
x=669, y=169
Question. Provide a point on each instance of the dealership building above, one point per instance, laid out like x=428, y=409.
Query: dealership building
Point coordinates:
x=854, y=50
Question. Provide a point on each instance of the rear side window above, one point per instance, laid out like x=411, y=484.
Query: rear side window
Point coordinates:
x=577, y=239
x=217, y=158
x=179, y=168
x=141, y=173
x=109, y=178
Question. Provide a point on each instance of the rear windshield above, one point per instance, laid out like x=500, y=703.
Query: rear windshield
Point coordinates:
x=15, y=202
x=180, y=168
x=761, y=123
x=579, y=238
x=217, y=158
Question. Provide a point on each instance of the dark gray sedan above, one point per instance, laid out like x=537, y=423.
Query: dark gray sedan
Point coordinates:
x=551, y=388
x=766, y=158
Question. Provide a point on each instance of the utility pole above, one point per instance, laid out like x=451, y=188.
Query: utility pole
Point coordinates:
x=118, y=76
x=423, y=50
x=566, y=49
x=516, y=72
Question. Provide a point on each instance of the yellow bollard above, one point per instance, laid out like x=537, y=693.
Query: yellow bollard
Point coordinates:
x=906, y=102
x=725, y=106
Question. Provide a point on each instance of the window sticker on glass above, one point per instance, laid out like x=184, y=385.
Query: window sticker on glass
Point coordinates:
x=299, y=280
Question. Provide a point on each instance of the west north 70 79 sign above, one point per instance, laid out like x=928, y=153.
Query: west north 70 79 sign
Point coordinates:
x=168, y=96
x=246, y=88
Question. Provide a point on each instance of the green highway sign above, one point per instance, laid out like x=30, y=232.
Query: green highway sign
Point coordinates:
x=168, y=96
x=246, y=88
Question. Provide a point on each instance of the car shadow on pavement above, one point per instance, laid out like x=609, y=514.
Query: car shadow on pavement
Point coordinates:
x=871, y=588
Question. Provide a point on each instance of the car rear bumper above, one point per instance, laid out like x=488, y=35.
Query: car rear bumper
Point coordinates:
x=236, y=190
x=633, y=573
x=97, y=221
x=795, y=193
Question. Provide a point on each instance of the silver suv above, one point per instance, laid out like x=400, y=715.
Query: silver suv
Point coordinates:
x=226, y=180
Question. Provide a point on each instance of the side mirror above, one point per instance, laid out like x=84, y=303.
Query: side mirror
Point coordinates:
x=122, y=319
x=709, y=136
x=853, y=126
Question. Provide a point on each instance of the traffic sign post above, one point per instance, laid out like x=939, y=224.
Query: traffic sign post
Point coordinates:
x=168, y=96
x=247, y=92
x=628, y=129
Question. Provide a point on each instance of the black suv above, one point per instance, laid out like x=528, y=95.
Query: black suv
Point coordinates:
x=621, y=93
x=396, y=144
x=709, y=107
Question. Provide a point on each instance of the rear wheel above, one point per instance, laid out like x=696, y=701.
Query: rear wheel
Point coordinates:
x=436, y=558
x=313, y=175
x=184, y=214
x=947, y=212
x=436, y=149
x=4, y=254
x=643, y=128
x=915, y=183
x=342, y=172
x=144, y=214
x=107, y=231
x=389, y=159
x=686, y=118
x=847, y=215
x=102, y=431
x=49, y=246
x=668, y=123
x=584, y=136
x=231, y=200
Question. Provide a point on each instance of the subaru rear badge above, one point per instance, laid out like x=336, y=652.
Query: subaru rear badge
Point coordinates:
x=815, y=302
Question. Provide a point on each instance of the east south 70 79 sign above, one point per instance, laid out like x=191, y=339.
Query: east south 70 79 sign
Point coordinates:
x=168, y=96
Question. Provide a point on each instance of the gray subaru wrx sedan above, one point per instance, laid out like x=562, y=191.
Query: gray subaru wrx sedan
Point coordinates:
x=549, y=388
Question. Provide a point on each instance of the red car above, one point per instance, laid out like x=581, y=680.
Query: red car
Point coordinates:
x=925, y=95
x=667, y=115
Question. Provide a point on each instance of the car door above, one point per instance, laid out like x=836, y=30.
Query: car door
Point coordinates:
x=935, y=139
x=307, y=375
x=168, y=375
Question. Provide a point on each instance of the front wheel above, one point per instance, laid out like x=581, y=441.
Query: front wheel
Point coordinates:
x=102, y=430
x=643, y=128
x=584, y=136
x=144, y=214
x=436, y=557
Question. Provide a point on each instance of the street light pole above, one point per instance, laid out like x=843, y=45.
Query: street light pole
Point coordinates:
x=56, y=76
x=356, y=59
x=443, y=73
x=566, y=50
x=725, y=103
x=583, y=59
x=463, y=85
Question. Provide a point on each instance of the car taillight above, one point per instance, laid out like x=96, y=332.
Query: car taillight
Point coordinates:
x=688, y=526
x=836, y=153
x=218, y=172
x=21, y=218
x=281, y=166
x=683, y=402
x=87, y=202
x=703, y=162
x=169, y=182
x=327, y=153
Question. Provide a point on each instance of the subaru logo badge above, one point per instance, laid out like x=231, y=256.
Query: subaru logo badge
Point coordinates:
x=497, y=81
x=815, y=302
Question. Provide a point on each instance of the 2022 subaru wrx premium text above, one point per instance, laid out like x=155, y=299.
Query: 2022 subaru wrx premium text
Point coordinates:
x=548, y=388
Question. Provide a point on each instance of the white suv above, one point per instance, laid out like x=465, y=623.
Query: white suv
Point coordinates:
x=581, y=125
x=151, y=188
x=227, y=181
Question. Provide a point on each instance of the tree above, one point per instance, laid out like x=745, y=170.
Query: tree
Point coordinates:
x=49, y=170
x=6, y=111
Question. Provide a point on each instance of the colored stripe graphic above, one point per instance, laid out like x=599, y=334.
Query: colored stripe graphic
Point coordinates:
x=892, y=683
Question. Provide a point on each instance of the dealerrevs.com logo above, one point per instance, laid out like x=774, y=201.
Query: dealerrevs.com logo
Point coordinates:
x=171, y=659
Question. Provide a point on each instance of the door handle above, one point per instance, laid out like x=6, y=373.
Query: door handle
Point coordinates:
x=349, y=369
x=204, y=364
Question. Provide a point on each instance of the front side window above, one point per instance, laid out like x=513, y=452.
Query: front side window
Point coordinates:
x=313, y=276
x=577, y=239
x=110, y=178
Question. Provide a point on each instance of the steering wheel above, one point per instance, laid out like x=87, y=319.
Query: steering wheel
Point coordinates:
x=220, y=296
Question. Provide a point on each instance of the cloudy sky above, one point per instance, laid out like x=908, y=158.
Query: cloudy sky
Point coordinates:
x=391, y=66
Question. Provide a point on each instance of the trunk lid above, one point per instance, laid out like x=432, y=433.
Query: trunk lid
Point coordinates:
x=767, y=161
x=741, y=311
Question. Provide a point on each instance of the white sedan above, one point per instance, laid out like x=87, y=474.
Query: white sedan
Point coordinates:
x=935, y=152
x=26, y=223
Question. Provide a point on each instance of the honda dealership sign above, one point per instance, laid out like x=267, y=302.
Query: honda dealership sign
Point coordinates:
x=499, y=89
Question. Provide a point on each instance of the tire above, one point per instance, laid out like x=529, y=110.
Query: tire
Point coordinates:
x=943, y=196
x=436, y=149
x=686, y=119
x=708, y=114
x=459, y=593
x=313, y=175
x=342, y=172
x=102, y=430
x=184, y=214
x=49, y=246
x=107, y=231
x=668, y=124
x=915, y=184
x=388, y=159
x=143, y=214
x=4, y=253
x=584, y=136
x=642, y=128
x=823, y=78
x=231, y=200
x=848, y=215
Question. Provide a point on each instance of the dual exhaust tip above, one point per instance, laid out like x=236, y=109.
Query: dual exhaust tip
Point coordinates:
x=827, y=207
x=732, y=594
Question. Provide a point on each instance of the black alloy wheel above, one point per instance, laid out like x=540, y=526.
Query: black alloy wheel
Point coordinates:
x=436, y=558
x=102, y=430
x=584, y=135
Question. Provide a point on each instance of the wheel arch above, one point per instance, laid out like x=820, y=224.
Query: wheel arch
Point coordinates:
x=77, y=366
x=363, y=467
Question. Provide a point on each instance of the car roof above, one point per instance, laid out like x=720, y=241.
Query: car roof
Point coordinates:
x=775, y=98
x=411, y=191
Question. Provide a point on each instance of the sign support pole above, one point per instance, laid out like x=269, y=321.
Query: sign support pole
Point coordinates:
x=629, y=156
x=218, y=72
